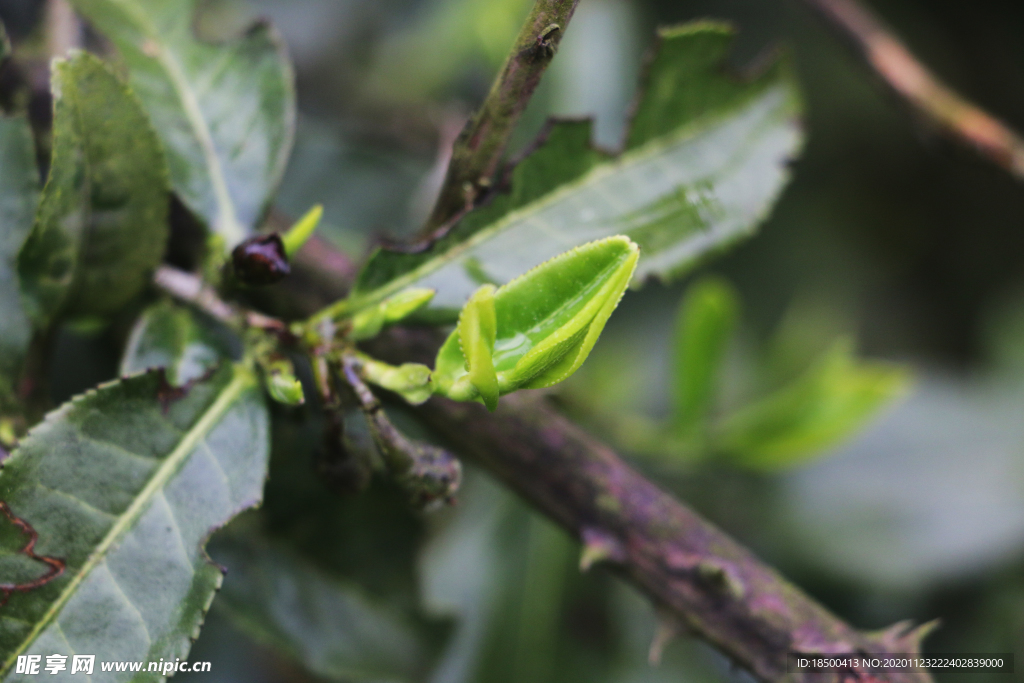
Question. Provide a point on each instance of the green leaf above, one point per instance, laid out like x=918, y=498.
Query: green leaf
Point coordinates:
x=704, y=161
x=370, y=321
x=831, y=401
x=704, y=327
x=225, y=111
x=172, y=337
x=302, y=230
x=544, y=323
x=477, y=333
x=122, y=486
x=410, y=380
x=101, y=227
x=19, y=196
x=328, y=625
x=281, y=382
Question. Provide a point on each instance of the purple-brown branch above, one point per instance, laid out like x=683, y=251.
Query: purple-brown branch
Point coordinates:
x=712, y=586
x=479, y=147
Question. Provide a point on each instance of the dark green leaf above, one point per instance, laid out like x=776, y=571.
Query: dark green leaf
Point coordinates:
x=271, y=591
x=174, y=338
x=704, y=161
x=831, y=401
x=19, y=195
x=931, y=495
x=101, y=227
x=225, y=112
x=328, y=625
x=123, y=486
x=706, y=322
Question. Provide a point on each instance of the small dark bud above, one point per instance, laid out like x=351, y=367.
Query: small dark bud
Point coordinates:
x=260, y=260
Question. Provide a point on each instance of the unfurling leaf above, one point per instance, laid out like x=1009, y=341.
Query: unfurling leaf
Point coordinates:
x=101, y=227
x=303, y=229
x=707, y=320
x=477, y=332
x=368, y=323
x=281, y=382
x=545, y=323
x=225, y=111
x=831, y=401
x=410, y=380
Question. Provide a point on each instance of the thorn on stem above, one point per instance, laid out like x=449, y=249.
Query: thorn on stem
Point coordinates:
x=903, y=636
x=599, y=546
x=544, y=41
x=667, y=630
x=721, y=579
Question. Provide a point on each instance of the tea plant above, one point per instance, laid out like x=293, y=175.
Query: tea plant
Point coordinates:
x=108, y=501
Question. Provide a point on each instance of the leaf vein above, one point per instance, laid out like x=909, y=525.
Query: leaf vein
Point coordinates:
x=241, y=381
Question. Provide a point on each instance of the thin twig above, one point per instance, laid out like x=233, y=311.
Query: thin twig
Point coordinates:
x=479, y=147
x=430, y=475
x=191, y=289
x=913, y=82
x=63, y=28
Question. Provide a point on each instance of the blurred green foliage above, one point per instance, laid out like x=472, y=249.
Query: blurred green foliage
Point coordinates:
x=896, y=237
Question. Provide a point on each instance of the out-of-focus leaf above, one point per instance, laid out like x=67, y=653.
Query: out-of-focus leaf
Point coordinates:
x=462, y=574
x=703, y=162
x=830, y=402
x=707, y=320
x=225, y=112
x=369, y=322
x=5, y=43
x=447, y=37
x=19, y=195
x=931, y=494
x=101, y=227
x=538, y=329
x=172, y=337
x=122, y=486
x=330, y=626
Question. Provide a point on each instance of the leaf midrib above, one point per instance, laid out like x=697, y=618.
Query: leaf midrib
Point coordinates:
x=170, y=466
x=648, y=149
x=227, y=218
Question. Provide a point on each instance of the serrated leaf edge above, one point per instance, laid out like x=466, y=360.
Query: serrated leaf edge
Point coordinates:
x=242, y=380
x=784, y=85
